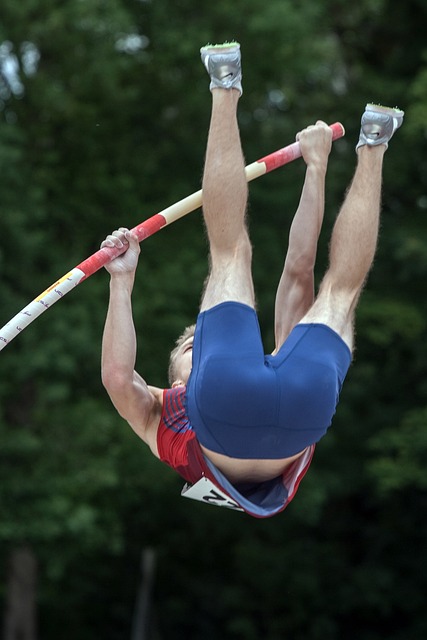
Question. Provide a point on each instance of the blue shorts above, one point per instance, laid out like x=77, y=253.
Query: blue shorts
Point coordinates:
x=245, y=404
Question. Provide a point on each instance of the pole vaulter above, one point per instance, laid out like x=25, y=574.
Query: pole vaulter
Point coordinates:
x=145, y=229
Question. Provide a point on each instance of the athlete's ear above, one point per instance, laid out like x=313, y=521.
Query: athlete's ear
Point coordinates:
x=178, y=383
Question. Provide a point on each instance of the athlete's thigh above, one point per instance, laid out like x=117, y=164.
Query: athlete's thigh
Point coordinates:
x=230, y=278
x=335, y=310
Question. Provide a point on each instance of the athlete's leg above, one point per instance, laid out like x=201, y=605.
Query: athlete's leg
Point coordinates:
x=355, y=233
x=225, y=193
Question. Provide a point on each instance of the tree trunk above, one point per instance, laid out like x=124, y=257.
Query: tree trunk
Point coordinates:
x=20, y=615
x=143, y=618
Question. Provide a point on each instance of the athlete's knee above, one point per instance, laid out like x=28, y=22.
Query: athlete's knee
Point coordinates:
x=230, y=252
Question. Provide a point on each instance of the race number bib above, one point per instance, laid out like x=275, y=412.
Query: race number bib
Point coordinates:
x=206, y=491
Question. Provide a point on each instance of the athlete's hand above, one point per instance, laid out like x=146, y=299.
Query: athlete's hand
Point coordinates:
x=316, y=144
x=127, y=261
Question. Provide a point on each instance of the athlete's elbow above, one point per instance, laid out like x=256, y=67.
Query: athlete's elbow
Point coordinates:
x=115, y=380
x=300, y=267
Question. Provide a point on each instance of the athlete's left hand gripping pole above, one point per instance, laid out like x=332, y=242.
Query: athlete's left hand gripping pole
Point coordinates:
x=147, y=228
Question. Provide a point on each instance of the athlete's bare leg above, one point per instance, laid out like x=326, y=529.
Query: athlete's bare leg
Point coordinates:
x=225, y=194
x=355, y=234
x=352, y=248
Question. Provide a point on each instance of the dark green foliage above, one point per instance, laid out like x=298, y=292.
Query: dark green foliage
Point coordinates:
x=107, y=127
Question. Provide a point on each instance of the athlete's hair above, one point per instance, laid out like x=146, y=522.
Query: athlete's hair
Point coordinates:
x=187, y=333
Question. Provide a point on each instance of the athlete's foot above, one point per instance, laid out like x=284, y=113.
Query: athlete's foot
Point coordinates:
x=223, y=64
x=378, y=125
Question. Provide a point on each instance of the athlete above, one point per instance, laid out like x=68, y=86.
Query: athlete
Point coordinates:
x=238, y=425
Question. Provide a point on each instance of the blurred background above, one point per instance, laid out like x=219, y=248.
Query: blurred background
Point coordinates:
x=104, y=111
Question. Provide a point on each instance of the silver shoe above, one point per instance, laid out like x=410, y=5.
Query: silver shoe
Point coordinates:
x=223, y=64
x=378, y=125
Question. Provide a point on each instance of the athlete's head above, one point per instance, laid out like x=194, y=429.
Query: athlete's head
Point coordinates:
x=180, y=359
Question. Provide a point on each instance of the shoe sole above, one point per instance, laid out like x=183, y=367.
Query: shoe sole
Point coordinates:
x=226, y=47
x=394, y=112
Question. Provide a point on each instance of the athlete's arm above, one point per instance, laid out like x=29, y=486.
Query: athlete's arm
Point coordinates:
x=130, y=394
x=295, y=293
